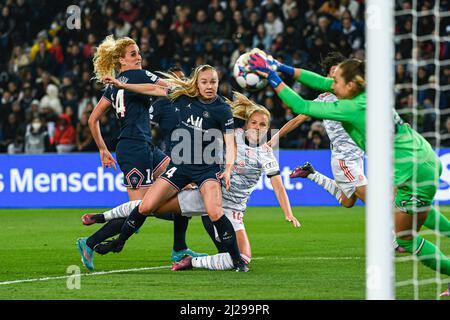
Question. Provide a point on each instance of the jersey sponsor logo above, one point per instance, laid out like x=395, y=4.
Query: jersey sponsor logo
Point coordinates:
x=153, y=77
x=197, y=122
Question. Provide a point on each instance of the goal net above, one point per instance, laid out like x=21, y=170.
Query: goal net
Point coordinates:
x=421, y=90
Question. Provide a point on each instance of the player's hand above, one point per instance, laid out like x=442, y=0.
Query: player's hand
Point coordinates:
x=293, y=220
x=113, y=81
x=225, y=176
x=259, y=64
x=107, y=159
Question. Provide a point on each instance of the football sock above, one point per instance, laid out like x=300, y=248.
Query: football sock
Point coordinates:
x=110, y=229
x=328, y=184
x=228, y=237
x=180, y=224
x=99, y=218
x=133, y=223
x=442, y=225
x=427, y=253
x=209, y=227
x=122, y=211
x=220, y=261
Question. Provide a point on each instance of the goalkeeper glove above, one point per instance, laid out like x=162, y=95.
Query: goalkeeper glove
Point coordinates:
x=260, y=64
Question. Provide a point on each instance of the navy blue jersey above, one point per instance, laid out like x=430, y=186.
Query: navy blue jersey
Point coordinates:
x=131, y=107
x=202, y=126
x=166, y=115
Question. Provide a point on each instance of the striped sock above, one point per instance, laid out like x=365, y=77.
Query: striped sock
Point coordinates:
x=328, y=184
x=220, y=261
x=122, y=211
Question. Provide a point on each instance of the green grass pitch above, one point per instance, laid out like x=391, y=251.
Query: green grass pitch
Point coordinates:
x=324, y=259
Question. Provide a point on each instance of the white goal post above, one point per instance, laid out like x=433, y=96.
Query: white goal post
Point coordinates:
x=379, y=130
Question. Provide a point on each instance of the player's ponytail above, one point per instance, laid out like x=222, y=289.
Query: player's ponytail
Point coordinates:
x=354, y=70
x=185, y=87
x=244, y=108
x=107, y=54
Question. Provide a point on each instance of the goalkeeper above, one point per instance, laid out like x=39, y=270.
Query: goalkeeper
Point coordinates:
x=348, y=84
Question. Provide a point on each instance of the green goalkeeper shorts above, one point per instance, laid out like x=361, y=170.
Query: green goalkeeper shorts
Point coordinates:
x=417, y=197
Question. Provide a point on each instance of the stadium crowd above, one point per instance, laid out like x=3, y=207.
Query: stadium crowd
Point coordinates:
x=47, y=91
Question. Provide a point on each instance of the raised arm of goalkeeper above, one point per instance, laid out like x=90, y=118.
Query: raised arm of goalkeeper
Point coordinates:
x=351, y=93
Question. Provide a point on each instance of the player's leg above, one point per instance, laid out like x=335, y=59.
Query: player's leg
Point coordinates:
x=308, y=171
x=161, y=192
x=223, y=260
x=412, y=206
x=180, y=223
x=437, y=221
x=209, y=227
x=210, y=190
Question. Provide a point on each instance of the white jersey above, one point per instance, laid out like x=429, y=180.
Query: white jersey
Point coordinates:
x=250, y=163
x=342, y=146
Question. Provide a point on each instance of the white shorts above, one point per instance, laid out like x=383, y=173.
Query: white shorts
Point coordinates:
x=191, y=204
x=348, y=174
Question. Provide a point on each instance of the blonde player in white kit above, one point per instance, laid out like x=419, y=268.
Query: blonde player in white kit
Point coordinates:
x=347, y=159
x=253, y=159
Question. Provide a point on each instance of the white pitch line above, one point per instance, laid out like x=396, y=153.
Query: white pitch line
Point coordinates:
x=160, y=267
x=83, y=274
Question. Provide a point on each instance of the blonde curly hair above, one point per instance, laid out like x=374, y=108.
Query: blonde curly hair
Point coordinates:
x=107, y=54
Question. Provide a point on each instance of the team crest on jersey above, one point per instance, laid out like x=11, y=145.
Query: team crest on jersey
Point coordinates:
x=205, y=114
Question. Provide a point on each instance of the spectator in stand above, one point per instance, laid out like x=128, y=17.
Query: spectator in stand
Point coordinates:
x=287, y=7
x=128, y=12
x=33, y=111
x=51, y=100
x=353, y=35
x=273, y=25
x=315, y=141
x=85, y=141
x=445, y=134
x=44, y=59
x=64, y=136
x=19, y=60
x=13, y=133
x=36, y=137
x=331, y=8
x=261, y=40
x=350, y=5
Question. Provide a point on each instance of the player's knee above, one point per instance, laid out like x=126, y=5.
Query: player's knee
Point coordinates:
x=348, y=204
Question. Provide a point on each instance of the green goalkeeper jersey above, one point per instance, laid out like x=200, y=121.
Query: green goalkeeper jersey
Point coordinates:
x=409, y=146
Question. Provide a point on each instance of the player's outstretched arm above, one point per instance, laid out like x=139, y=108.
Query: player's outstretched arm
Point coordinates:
x=150, y=89
x=341, y=110
x=305, y=77
x=94, y=125
x=283, y=200
x=288, y=127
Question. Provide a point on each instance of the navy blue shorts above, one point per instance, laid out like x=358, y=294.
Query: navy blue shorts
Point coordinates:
x=181, y=175
x=135, y=159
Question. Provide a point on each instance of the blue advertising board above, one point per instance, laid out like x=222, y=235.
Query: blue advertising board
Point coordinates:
x=78, y=181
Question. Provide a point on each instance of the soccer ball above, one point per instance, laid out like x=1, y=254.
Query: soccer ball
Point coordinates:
x=246, y=79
